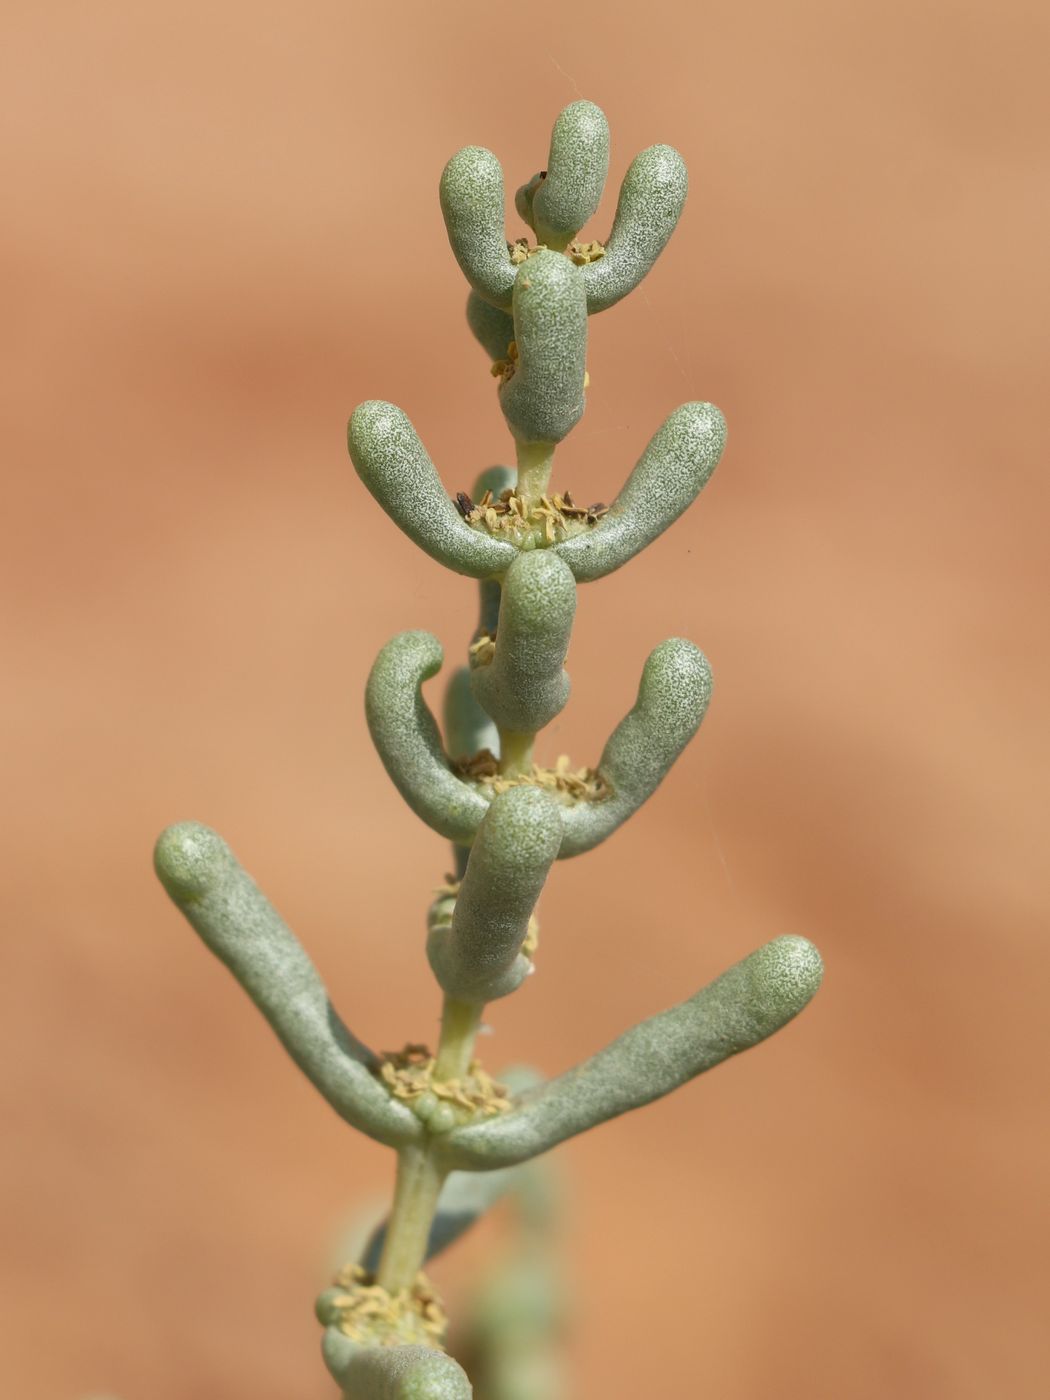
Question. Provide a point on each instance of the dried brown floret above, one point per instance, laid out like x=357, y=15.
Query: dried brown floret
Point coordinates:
x=484, y=764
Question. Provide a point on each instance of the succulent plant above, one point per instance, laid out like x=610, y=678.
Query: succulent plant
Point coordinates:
x=459, y=1134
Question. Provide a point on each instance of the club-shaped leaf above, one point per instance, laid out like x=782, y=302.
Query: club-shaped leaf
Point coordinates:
x=394, y=465
x=576, y=169
x=524, y=685
x=743, y=1007
x=651, y=199
x=478, y=957
x=669, y=476
x=472, y=202
x=240, y=926
x=406, y=737
x=542, y=400
x=672, y=698
x=392, y=1373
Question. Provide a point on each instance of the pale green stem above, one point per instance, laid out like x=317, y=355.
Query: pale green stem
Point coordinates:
x=515, y=753
x=534, y=470
x=419, y=1178
x=419, y=1182
x=459, y=1028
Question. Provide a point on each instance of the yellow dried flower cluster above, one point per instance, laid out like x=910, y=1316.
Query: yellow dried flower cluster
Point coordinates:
x=370, y=1315
x=557, y=516
x=584, y=253
x=579, y=784
x=580, y=253
x=504, y=369
x=409, y=1074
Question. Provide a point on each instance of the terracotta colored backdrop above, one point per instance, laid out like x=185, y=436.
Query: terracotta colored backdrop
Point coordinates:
x=221, y=231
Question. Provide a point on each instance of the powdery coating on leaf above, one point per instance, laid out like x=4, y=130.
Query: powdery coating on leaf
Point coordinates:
x=394, y=465
x=471, y=193
x=240, y=926
x=190, y=859
x=576, y=169
x=479, y=958
x=651, y=199
x=543, y=400
x=672, y=699
x=393, y=1373
x=407, y=740
x=524, y=686
x=743, y=1007
x=670, y=474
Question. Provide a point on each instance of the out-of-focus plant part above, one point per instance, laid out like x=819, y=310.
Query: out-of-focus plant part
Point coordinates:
x=461, y=1136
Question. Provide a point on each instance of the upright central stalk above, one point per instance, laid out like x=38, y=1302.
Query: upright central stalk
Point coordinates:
x=515, y=753
x=534, y=470
x=419, y=1182
x=419, y=1179
x=459, y=1028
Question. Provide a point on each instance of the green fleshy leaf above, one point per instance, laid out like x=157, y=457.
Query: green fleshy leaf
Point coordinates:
x=524, y=686
x=651, y=199
x=743, y=1007
x=576, y=169
x=543, y=399
x=669, y=476
x=672, y=699
x=472, y=203
x=394, y=465
x=478, y=958
x=240, y=926
x=406, y=737
x=393, y=1373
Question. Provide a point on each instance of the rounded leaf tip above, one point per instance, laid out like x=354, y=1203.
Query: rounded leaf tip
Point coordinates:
x=788, y=972
x=677, y=678
x=372, y=424
x=188, y=858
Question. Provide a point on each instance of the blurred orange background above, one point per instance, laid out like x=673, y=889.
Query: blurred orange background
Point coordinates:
x=221, y=233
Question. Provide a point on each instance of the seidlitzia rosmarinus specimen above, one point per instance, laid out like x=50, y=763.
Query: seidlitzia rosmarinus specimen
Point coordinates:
x=459, y=1134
